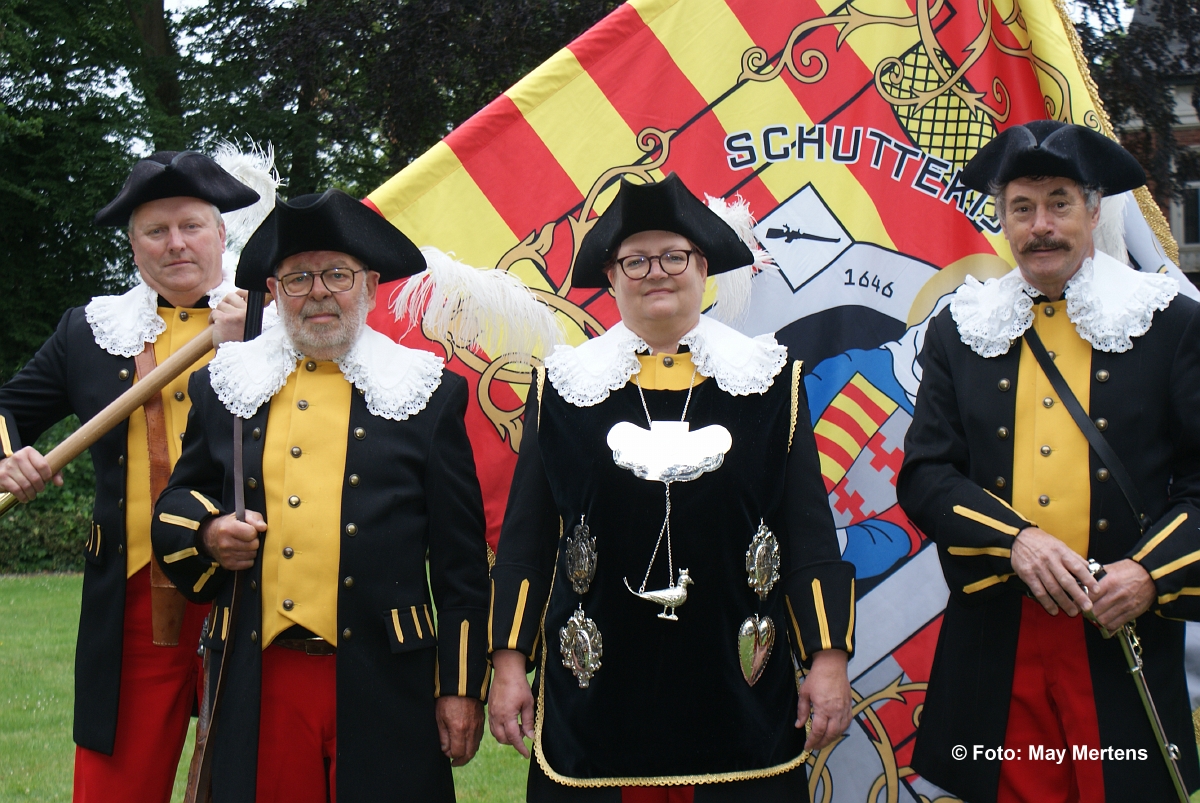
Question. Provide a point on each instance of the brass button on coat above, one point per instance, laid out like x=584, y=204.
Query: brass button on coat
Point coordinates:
x=353, y=480
x=296, y=451
x=1043, y=500
x=1102, y=474
x=121, y=460
x=288, y=552
x=179, y=395
x=1004, y=384
x=254, y=636
x=1047, y=402
x=1053, y=356
x=253, y=585
x=348, y=582
x=360, y=433
x=288, y=605
x=352, y=529
x=253, y=483
x=668, y=362
x=1049, y=311
x=1102, y=524
x=1002, y=433
x=1001, y=482
x=346, y=633
x=120, y=549
x=256, y=433
x=1102, y=375
x=183, y=316
x=310, y=366
x=123, y=374
x=121, y=503
x=294, y=501
x=1101, y=424
x=1045, y=450
x=302, y=404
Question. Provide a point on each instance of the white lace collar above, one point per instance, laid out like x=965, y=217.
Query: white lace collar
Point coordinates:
x=396, y=381
x=584, y=375
x=1109, y=303
x=123, y=325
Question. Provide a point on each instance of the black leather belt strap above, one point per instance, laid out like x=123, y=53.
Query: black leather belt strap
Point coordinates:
x=1105, y=452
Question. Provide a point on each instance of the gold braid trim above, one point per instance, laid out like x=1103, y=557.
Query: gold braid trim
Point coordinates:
x=797, y=371
x=1150, y=211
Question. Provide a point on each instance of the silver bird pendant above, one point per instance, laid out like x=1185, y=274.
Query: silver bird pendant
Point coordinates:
x=670, y=597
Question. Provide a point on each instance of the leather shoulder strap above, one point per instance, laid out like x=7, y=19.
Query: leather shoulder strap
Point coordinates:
x=156, y=428
x=1088, y=428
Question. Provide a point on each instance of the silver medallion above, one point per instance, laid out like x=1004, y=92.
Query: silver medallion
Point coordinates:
x=581, y=646
x=755, y=639
x=762, y=561
x=670, y=597
x=581, y=557
x=669, y=451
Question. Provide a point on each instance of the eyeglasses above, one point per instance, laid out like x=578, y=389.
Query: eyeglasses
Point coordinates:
x=336, y=280
x=673, y=263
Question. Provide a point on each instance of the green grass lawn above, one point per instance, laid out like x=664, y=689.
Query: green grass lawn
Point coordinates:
x=38, y=617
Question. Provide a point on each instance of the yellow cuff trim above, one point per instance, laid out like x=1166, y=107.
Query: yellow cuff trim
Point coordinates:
x=5, y=443
x=987, y=582
x=417, y=622
x=522, y=596
x=207, y=504
x=1175, y=565
x=204, y=579
x=1159, y=537
x=224, y=624
x=429, y=621
x=463, y=630
x=796, y=627
x=487, y=678
x=822, y=621
x=850, y=627
x=1183, y=592
x=175, y=557
x=396, y=626
x=179, y=521
x=986, y=521
x=1014, y=511
x=491, y=612
x=973, y=551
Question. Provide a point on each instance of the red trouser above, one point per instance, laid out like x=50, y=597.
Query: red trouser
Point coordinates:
x=159, y=687
x=657, y=794
x=1052, y=706
x=297, y=728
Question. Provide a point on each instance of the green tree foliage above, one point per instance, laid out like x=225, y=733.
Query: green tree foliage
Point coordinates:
x=1136, y=71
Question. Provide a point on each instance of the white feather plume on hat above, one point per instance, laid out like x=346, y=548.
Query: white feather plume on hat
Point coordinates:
x=254, y=167
x=733, y=287
x=485, y=308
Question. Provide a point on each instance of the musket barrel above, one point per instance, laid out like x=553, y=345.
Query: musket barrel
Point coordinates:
x=122, y=407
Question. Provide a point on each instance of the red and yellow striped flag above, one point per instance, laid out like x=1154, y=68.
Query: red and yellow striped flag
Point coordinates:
x=844, y=125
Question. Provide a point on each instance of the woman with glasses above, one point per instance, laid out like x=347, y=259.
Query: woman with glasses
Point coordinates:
x=668, y=561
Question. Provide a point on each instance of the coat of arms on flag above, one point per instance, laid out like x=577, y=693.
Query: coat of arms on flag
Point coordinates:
x=844, y=126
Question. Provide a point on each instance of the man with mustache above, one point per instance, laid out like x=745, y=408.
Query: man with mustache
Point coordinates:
x=1027, y=700
x=135, y=663
x=330, y=678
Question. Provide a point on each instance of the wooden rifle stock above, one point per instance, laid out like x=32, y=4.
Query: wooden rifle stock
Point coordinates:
x=122, y=407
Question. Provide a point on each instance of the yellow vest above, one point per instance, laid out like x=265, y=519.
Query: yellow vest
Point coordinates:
x=176, y=404
x=304, y=460
x=1051, y=475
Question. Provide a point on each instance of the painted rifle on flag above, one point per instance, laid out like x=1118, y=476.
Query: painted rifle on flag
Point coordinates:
x=844, y=125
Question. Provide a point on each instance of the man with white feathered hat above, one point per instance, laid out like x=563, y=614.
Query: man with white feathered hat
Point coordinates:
x=135, y=668
x=1056, y=423
x=354, y=462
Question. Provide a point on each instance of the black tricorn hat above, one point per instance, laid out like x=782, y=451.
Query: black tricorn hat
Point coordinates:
x=332, y=221
x=1051, y=148
x=667, y=205
x=168, y=174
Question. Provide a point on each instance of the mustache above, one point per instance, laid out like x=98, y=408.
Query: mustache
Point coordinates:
x=326, y=307
x=1045, y=244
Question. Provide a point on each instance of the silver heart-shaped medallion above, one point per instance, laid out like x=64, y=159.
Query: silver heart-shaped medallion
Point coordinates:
x=756, y=637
